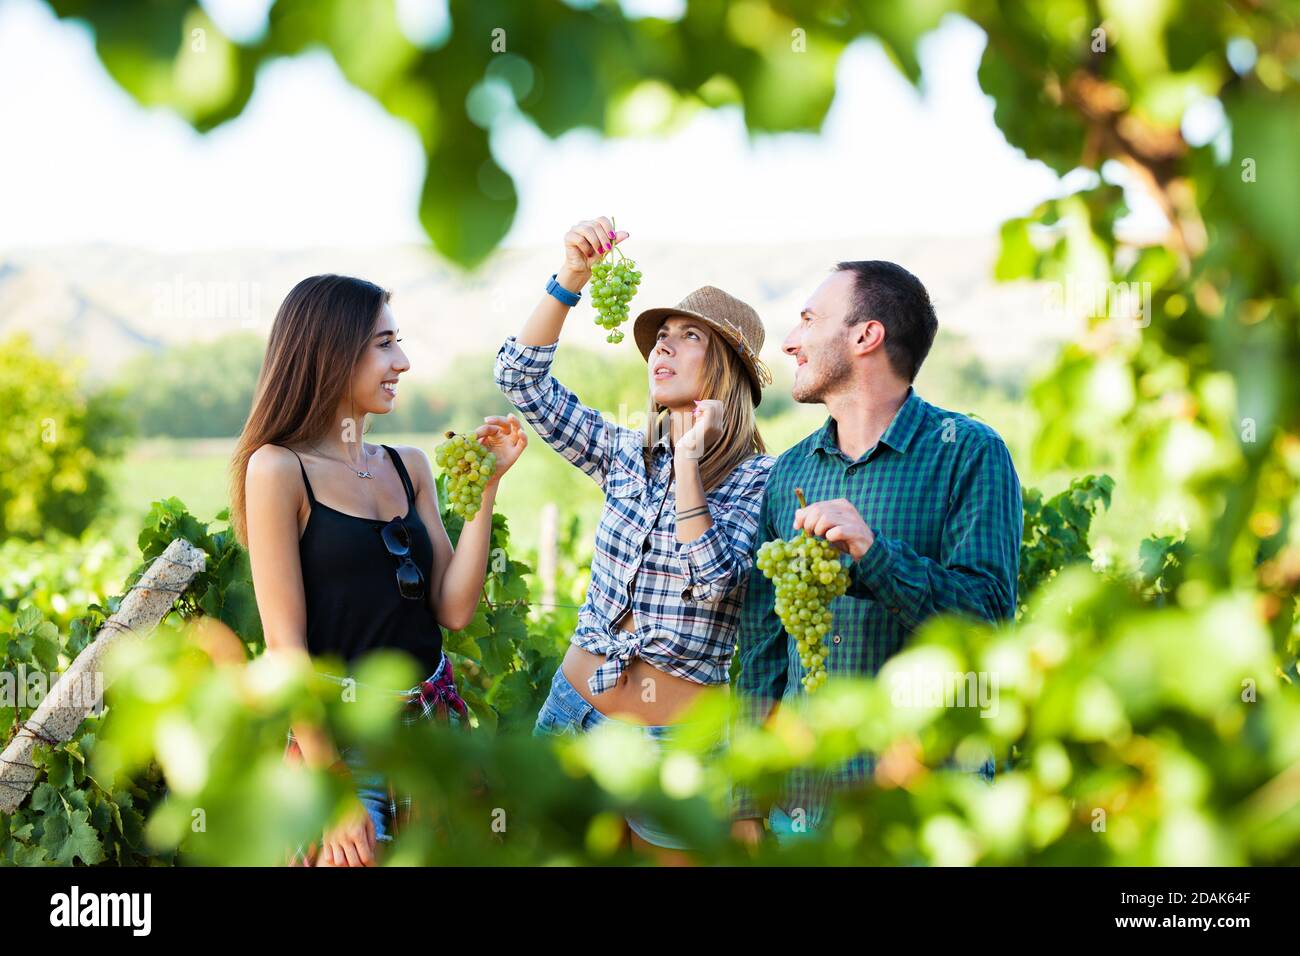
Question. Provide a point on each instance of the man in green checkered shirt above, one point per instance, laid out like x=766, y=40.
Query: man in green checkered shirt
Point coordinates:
x=925, y=503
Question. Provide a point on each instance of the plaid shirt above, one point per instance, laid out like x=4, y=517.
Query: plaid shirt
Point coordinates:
x=685, y=597
x=941, y=496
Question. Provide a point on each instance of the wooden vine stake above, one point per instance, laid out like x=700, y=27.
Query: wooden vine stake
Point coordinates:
x=68, y=702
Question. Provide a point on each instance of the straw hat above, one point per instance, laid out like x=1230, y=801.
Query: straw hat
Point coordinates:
x=737, y=323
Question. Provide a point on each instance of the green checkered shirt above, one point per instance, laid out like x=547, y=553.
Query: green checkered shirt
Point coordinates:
x=941, y=496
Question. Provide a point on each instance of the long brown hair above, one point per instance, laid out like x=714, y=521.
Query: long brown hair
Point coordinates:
x=320, y=332
x=726, y=380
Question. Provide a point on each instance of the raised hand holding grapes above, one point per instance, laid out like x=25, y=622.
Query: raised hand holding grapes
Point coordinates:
x=505, y=438
x=474, y=462
x=613, y=282
x=585, y=244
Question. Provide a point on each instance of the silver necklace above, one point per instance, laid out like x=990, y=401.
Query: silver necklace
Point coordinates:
x=360, y=474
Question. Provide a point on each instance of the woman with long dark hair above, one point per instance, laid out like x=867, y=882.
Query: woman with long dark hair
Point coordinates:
x=348, y=551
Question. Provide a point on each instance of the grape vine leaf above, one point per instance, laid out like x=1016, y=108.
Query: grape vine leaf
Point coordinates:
x=70, y=836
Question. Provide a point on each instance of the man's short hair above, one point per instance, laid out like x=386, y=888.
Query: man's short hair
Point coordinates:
x=895, y=298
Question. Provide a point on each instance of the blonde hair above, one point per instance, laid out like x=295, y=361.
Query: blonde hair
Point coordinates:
x=724, y=379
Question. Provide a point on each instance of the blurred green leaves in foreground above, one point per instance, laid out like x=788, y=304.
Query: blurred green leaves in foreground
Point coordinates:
x=1140, y=737
x=1074, y=82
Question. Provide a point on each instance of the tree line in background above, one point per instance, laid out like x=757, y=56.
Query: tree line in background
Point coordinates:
x=205, y=390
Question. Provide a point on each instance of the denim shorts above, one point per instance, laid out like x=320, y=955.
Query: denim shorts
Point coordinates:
x=568, y=712
x=372, y=787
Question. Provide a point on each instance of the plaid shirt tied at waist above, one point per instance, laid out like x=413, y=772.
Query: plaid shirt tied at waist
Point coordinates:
x=685, y=596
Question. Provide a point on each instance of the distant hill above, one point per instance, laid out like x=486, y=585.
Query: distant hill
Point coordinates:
x=107, y=303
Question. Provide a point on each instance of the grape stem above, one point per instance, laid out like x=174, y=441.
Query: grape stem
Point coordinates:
x=803, y=503
x=614, y=247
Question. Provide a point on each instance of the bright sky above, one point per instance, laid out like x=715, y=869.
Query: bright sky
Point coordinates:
x=314, y=162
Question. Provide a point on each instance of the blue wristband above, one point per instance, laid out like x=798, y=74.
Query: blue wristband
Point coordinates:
x=560, y=292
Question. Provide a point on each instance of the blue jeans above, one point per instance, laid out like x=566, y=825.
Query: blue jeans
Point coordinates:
x=787, y=830
x=565, y=711
x=782, y=827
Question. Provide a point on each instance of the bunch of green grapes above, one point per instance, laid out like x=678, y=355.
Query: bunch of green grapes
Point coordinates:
x=613, y=283
x=807, y=574
x=468, y=465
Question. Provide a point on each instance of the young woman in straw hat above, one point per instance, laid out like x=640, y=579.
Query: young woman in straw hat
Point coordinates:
x=681, y=504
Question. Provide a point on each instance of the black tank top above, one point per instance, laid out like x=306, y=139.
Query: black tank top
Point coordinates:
x=350, y=582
